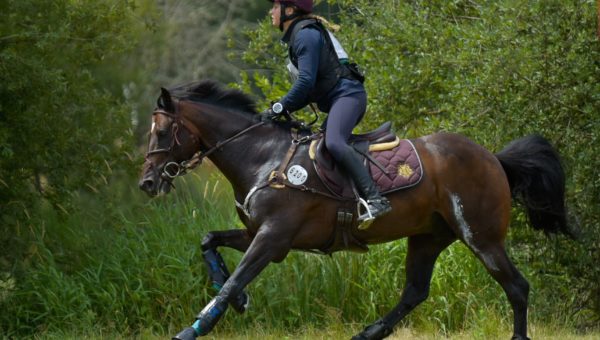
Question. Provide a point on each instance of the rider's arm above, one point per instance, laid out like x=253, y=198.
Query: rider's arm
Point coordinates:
x=307, y=45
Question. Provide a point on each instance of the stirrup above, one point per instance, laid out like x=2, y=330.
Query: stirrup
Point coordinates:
x=373, y=209
x=365, y=219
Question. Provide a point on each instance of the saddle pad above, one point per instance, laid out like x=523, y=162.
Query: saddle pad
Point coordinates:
x=402, y=164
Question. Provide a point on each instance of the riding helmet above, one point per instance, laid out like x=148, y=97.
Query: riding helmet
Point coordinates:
x=303, y=5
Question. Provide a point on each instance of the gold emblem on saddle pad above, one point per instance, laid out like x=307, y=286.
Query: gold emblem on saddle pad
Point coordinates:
x=405, y=170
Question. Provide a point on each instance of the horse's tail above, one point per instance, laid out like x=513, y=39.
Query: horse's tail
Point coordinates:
x=537, y=180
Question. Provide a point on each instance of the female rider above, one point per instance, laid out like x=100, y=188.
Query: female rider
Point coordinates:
x=325, y=77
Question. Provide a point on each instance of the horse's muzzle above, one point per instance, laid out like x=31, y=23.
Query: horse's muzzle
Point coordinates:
x=148, y=185
x=154, y=187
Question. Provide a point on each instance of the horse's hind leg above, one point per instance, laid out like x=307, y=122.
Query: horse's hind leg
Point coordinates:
x=488, y=246
x=498, y=264
x=423, y=251
x=217, y=270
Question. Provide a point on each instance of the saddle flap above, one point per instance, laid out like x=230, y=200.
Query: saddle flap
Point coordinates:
x=331, y=175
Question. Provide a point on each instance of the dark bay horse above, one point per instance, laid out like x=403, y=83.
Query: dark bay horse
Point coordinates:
x=465, y=195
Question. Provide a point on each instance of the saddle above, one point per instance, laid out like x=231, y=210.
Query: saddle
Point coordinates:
x=393, y=163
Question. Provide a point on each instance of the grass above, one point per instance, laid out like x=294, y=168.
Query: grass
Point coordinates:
x=132, y=268
x=342, y=331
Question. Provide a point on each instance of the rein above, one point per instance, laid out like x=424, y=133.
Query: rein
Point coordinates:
x=181, y=168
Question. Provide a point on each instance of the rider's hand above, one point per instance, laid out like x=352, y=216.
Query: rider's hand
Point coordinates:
x=276, y=110
x=268, y=115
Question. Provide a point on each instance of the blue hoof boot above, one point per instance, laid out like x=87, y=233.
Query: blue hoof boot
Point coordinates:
x=209, y=316
x=186, y=334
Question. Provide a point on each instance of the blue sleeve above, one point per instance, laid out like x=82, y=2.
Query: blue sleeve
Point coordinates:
x=307, y=46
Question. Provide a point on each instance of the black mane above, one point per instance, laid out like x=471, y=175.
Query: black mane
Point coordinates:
x=209, y=91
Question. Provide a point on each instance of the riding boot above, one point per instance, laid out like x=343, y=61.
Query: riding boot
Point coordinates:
x=376, y=204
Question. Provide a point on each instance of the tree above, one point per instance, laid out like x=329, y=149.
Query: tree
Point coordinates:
x=61, y=130
x=598, y=9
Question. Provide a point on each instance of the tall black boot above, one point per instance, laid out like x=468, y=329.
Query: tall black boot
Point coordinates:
x=376, y=204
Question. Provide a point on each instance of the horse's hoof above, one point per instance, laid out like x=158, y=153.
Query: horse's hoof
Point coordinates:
x=358, y=337
x=378, y=330
x=186, y=334
x=241, y=302
x=519, y=337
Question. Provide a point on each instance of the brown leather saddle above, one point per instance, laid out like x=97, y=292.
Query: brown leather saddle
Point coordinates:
x=393, y=163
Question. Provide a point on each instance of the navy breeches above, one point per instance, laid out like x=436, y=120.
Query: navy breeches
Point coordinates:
x=344, y=115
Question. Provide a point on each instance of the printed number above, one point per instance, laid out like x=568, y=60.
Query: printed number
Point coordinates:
x=297, y=174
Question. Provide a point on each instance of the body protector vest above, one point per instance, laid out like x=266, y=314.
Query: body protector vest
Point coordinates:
x=333, y=61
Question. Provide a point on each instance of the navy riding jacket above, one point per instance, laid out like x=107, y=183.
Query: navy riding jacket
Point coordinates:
x=307, y=47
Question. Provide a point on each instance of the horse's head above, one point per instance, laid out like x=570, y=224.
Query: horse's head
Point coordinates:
x=171, y=144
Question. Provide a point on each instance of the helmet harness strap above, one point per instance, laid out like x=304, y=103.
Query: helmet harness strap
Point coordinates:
x=283, y=17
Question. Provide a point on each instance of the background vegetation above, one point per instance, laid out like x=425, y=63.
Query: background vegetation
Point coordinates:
x=82, y=251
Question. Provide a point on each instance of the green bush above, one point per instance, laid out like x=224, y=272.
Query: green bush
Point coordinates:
x=61, y=130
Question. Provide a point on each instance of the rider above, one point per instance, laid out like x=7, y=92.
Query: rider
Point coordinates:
x=323, y=75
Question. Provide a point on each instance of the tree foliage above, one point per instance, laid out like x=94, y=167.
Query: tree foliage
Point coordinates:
x=76, y=78
x=494, y=71
x=61, y=128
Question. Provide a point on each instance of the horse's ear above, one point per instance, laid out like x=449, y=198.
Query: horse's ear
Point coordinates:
x=164, y=101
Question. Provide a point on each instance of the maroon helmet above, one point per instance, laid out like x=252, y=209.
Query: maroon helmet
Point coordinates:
x=303, y=5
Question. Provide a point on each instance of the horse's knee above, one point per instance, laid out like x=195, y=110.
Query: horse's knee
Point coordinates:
x=208, y=242
x=413, y=295
x=422, y=296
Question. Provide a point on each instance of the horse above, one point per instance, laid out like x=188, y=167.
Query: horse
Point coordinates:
x=465, y=194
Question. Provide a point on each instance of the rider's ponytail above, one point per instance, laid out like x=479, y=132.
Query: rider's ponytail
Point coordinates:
x=330, y=26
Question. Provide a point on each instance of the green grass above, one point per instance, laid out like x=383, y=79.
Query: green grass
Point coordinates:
x=132, y=267
x=345, y=331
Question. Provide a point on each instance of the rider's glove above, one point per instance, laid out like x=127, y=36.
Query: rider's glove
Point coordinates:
x=276, y=110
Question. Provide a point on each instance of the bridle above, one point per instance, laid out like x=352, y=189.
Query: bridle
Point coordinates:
x=171, y=170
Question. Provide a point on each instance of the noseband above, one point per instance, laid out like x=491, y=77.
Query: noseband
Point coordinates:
x=180, y=169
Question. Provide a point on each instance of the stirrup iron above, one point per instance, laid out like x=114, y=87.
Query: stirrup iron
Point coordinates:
x=364, y=219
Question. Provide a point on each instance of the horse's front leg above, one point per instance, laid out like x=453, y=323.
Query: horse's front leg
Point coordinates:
x=217, y=270
x=268, y=245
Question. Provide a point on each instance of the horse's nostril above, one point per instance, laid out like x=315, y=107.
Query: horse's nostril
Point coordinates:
x=146, y=184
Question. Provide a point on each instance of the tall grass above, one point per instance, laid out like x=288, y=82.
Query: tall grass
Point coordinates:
x=125, y=264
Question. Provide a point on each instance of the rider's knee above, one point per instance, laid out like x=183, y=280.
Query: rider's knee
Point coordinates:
x=337, y=148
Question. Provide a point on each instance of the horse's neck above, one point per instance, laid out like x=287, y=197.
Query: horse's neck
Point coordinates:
x=247, y=160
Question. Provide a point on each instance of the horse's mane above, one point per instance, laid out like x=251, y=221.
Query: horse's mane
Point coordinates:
x=212, y=92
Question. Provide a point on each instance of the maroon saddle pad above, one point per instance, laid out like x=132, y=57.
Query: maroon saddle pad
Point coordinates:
x=403, y=167
x=399, y=159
